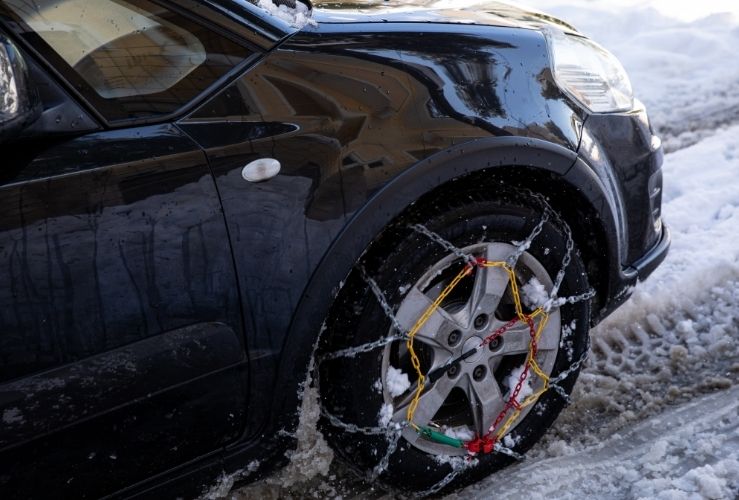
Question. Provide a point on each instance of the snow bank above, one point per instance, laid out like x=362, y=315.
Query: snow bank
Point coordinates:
x=701, y=208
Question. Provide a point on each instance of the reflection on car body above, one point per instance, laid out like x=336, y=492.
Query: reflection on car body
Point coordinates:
x=159, y=310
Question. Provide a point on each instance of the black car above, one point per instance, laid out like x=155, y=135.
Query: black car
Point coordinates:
x=207, y=213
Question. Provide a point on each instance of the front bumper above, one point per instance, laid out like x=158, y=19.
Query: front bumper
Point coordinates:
x=645, y=265
x=622, y=151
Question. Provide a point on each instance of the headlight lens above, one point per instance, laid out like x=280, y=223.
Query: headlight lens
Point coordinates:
x=590, y=74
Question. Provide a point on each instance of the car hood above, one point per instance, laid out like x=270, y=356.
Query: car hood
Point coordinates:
x=492, y=13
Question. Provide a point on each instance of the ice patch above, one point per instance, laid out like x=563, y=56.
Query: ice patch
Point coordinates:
x=297, y=17
x=396, y=381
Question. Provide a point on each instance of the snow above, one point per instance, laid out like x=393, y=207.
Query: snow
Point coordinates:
x=297, y=17
x=534, y=293
x=396, y=381
x=512, y=379
x=309, y=461
x=225, y=482
x=386, y=415
x=674, y=455
x=462, y=433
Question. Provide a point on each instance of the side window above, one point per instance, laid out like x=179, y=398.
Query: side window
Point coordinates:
x=130, y=59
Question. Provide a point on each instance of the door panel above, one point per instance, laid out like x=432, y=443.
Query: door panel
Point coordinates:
x=110, y=240
x=82, y=425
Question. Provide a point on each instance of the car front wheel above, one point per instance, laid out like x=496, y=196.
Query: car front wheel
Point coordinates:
x=455, y=341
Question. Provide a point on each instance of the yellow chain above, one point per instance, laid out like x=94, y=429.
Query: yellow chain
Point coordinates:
x=412, y=334
x=530, y=359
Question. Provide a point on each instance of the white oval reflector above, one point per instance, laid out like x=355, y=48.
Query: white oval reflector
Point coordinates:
x=261, y=170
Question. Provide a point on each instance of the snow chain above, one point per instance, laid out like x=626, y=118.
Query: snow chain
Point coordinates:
x=490, y=442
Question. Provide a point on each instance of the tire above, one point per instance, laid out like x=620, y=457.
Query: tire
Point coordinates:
x=355, y=388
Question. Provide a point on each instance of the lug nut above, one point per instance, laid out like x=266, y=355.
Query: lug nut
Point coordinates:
x=454, y=337
x=453, y=370
x=481, y=321
x=495, y=344
x=479, y=372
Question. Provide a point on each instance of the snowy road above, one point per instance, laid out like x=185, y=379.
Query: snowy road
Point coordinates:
x=655, y=412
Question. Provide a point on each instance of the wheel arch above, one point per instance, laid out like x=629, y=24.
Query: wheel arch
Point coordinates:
x=555, y=171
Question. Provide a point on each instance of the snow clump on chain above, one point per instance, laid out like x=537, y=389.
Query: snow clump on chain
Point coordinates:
x=397, y=381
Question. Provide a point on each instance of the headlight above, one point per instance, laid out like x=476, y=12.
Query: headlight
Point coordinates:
x=590, y=74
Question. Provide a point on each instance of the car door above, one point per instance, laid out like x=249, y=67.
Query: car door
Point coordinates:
x=121, y=336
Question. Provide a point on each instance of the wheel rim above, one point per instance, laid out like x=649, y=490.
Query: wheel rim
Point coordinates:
x=465, y=401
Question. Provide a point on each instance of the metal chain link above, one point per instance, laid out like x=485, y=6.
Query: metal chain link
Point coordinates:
x=394, y=433
x=392, y=444
x=354, y=429
x=382, y=300
x=351, y=352
x=444, y=243
x=524, y=245
x=457, y=468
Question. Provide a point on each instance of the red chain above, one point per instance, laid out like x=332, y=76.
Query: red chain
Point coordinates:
x=486, y=443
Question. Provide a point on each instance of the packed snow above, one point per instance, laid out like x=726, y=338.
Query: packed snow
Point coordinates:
x=655, y=412
x=463, y=433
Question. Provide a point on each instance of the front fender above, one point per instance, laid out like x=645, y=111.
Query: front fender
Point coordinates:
x=477, y=156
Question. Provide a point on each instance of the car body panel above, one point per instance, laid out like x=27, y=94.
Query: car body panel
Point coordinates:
x=122, y=415
x=108, y=240
x=347, y=118
x=154, y=232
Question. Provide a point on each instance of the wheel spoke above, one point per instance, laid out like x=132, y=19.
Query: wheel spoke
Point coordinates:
x=430, y=402
x=516, y=339
x=489, y=287
x=435, y=329
x=486, y=400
